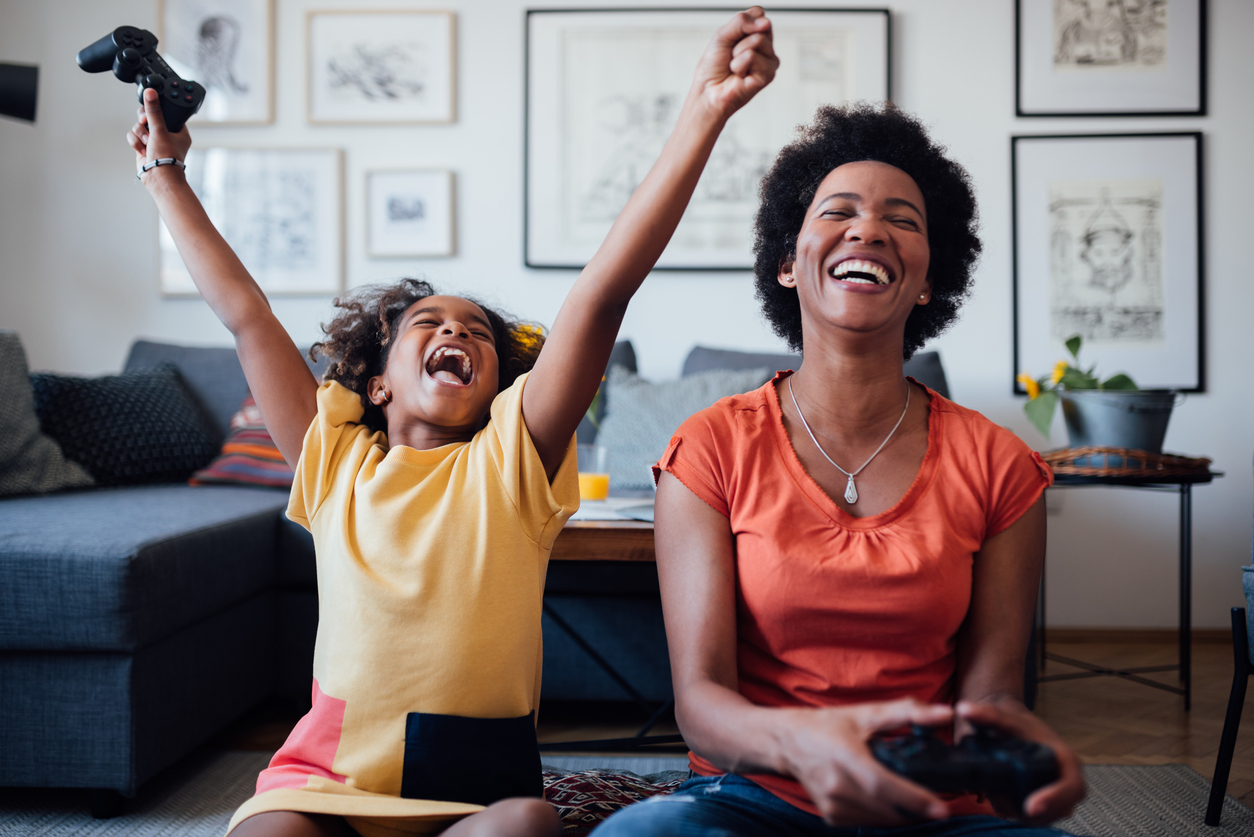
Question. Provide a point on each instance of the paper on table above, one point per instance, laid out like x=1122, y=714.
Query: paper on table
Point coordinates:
x=608, y=509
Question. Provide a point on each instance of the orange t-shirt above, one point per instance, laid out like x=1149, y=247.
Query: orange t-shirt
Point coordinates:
x=833, y=610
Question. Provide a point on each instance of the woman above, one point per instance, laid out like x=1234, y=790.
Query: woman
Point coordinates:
x=844, y=552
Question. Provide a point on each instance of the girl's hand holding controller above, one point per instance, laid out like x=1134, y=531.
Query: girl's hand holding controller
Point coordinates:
x=152, y=141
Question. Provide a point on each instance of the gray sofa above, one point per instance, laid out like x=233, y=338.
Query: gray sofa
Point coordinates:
x=136, y=622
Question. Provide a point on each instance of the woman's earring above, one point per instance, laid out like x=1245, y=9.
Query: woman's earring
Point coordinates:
x=922, y=296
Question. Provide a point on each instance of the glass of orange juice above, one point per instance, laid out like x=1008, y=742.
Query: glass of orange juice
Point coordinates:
x=594, y=471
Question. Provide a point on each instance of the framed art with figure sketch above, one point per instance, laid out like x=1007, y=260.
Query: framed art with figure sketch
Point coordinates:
x=228, y=46
x=1110, y=57
x=1108, y=246
x=381, y=66
x=605, y=87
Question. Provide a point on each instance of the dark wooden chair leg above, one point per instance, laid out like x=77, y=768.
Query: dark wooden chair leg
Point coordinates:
x=1236, y=699
x=105, y=804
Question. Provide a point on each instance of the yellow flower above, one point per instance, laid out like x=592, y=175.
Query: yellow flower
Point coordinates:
x=1030, y=384
x=1060, y=369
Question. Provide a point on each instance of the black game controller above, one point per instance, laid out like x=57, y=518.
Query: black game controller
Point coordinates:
x=131, y=53
x=988, y=762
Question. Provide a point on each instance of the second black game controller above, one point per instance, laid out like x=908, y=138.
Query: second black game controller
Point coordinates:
x=131, y=53
x=987, y=762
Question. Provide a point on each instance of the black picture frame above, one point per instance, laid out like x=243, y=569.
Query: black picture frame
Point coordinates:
x=1044, y=89
x=1072, y=167
x=540, y=255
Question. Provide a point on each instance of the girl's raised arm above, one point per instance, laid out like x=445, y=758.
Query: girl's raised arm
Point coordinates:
x=739, y=62
x=285, y=389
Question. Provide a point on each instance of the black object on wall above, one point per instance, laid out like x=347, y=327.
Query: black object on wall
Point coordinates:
x=18, y=83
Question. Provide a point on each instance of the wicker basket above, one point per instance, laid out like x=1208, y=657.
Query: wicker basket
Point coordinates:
x=1101, y=461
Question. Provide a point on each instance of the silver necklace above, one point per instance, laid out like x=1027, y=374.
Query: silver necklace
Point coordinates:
x=851, y=490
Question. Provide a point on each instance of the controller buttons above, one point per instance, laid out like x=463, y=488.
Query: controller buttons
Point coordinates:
x=129, y=56
x=174, y=84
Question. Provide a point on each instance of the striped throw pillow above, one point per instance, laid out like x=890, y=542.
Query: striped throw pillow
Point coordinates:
x=249, y=456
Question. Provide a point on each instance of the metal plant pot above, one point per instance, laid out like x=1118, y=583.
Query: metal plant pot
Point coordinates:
x=1134, y=419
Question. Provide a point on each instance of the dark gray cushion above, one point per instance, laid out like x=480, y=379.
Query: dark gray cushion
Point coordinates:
x=296, y=567
x=643, y=416
x=130, y=429
x=623, y=355
x=30, y=461
x=627, y=631
x=117, y=569
x=213, y=375
x=924, y=367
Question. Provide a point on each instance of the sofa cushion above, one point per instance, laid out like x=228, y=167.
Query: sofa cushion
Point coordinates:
x=30, y=461
x=924, y=367
x=643, y=416
x=624, y=355
x=129, y=429
x=117, y=569
x=249, y=455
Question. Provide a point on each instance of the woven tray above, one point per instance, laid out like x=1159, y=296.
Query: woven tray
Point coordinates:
x=1100, y=461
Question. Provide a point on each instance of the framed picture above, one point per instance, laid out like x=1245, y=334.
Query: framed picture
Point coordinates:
x=1108, y=245
x=409, y=213
x=228, y=46
x=1127, y=58
x=279, y=209
x=604, y=89
x=381, y=67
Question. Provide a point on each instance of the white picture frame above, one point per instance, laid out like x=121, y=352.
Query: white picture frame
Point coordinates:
x=227, y=46
x=409, y=213
x=604, y=88
x=1108, y=245
x=280, y=210
x=415, y=49
x=1079, y=58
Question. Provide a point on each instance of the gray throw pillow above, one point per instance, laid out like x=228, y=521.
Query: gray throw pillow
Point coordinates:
x=30, y=462
x=643, y=416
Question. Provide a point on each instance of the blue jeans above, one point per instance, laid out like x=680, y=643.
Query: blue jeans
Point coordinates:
x=733, y=806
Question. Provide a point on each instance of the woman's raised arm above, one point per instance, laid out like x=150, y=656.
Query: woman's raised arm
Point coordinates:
x=823, y=749
x=739, y=62
x=285, y=389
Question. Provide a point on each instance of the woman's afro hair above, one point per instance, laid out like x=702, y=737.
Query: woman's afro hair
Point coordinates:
x=360, y=337
x=863, y=131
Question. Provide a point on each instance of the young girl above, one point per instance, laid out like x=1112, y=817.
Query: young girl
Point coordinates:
x=434, y=469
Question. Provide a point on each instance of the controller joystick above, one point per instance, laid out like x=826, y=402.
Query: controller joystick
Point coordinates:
x=131, y=53
x=987, y=762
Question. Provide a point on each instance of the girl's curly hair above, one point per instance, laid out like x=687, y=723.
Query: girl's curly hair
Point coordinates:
x=863, y=131
x=360, y=338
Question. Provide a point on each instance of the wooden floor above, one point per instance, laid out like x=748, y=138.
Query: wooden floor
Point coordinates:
x=1106, y=719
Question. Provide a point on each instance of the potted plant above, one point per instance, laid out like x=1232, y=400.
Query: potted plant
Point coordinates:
x=1110, y=413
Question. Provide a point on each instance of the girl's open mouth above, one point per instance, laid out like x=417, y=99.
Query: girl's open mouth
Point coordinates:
x=450, y=365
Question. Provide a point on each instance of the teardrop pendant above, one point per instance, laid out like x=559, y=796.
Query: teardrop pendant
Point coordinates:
x=851, y=492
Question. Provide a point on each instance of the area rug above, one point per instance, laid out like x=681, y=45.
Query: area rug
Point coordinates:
x=197, y=798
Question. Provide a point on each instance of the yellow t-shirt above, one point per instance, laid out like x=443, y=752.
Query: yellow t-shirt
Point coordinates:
x=431, y=567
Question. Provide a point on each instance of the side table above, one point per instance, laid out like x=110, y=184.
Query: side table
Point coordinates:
x=1181, y=485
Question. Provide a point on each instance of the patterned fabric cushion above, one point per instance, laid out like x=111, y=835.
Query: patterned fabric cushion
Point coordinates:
x=585, y=798
x=249, y=456
x=642, y=416
x=138, y=427
x=30, y=462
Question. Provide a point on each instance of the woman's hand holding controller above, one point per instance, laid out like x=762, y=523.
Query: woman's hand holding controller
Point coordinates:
x=152, y=141
x=739, y=61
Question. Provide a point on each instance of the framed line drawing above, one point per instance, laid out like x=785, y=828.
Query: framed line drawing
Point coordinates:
x=279, y=209
x=604, y=88
x=228, y=46
x=1108, y=245
x=1125, y=58
x=381, y=67
x=409, y=213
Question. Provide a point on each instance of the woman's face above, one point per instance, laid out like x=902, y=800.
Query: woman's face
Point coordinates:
x=442, y=367
x=862, y=254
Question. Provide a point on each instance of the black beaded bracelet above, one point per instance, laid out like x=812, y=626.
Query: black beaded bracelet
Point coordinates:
x=160, y=161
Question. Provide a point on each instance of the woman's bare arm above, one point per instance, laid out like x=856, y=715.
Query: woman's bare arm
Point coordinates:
x=992, y=654
x=824, y=749
x=737, y=64
x=278, y=377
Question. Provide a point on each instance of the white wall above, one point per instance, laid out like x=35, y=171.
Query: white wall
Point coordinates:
x=78, y=252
